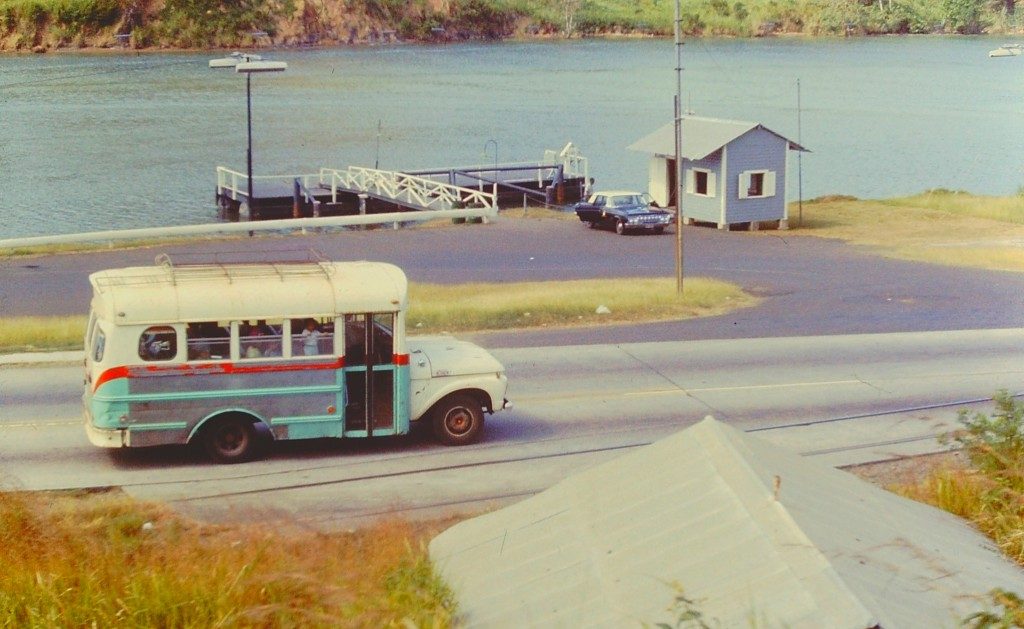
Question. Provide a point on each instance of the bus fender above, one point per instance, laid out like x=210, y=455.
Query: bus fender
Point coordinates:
x=462, y=386
x=256, y=419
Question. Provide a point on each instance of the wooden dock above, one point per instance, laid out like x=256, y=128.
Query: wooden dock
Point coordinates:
x=561, y=178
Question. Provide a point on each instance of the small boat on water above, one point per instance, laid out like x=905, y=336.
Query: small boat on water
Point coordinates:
x=1007, y=50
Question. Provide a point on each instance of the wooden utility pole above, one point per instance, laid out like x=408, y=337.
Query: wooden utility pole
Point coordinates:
x=679, y=142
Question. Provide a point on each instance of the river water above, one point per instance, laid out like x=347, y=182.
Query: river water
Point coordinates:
x=110, y=141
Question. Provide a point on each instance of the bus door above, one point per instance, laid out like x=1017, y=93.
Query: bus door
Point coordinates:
x=369, y=374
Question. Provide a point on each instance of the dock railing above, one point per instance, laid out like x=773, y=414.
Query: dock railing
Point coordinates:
x=574, y=164
x=410, y=189
x=233, y=184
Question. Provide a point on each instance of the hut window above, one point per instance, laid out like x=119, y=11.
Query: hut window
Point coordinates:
x=756, y=183
x=756, y=187
x=701, y=182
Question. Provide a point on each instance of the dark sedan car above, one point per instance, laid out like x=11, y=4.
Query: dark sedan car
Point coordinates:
x=624, y=211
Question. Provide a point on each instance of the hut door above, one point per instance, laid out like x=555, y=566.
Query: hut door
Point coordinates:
x=369, y=374
x=673, y=182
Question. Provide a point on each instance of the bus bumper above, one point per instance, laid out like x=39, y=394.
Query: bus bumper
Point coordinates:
x=112, y=438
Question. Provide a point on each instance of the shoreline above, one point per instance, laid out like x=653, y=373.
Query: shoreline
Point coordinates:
x=114, y=50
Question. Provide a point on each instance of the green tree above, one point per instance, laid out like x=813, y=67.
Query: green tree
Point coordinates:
x=963, y=16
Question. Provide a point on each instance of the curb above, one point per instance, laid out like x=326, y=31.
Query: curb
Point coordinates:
x=42, y=358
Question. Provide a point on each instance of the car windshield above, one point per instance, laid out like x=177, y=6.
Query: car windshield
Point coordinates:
x=625, y=199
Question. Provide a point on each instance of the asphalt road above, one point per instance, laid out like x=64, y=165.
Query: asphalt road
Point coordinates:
x=842, y=399
x=810, y=286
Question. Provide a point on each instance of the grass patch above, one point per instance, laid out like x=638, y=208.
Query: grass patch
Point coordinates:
x=539, y=212
x=474, y=307
x=989, y=491
x=104, y=560
x=939, y=226
x=28, y=334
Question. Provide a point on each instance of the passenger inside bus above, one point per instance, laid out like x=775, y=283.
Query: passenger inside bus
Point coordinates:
x=207, y=340
x=258, y=340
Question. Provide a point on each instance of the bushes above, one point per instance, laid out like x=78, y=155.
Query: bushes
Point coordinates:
x=218, y=23
x=990, y=492
x=205, y=23
x=73, y=16
x=483, y=18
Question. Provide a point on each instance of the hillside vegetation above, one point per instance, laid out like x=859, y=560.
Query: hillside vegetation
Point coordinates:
x=46, y=24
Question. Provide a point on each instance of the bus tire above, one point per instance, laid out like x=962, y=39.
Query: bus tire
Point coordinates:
x=230, y=439
x=458, y=420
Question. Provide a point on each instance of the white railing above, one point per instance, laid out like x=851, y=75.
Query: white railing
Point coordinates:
x=395, y=218
x=418, y=191
x=332, y=178
x=574, y=164
x=233, y=184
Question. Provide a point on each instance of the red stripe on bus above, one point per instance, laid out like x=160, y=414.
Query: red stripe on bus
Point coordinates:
x=108, y=375
x=401, y=359
x=209, y=369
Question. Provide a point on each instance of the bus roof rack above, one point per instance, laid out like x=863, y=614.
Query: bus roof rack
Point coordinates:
x=305, y=262
x=284, y=256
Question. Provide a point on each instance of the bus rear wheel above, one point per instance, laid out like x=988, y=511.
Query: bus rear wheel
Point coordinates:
x=230, y=439
x=458, y=420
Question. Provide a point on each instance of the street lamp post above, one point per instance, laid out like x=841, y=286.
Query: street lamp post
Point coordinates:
x=487, y=144
x=248, y=64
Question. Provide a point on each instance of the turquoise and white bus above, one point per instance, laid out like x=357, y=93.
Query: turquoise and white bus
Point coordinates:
x=178, y=354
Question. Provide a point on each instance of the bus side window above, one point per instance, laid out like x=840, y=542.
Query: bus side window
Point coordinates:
x=259, y=339
x=207, y=340
x=158, y=343
x=99, y=342
x=311, y=337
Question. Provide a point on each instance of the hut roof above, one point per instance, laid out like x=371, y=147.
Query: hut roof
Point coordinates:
x=752, y=533
x=700, y=137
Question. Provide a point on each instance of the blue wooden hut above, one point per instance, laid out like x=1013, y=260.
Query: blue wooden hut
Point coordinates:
x=733, y=172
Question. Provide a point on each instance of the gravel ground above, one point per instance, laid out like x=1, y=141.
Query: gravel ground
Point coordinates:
x=906, y=471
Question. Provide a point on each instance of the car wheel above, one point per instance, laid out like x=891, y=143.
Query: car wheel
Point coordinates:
x=620, y=228
x=458, y=420
x=230, y=439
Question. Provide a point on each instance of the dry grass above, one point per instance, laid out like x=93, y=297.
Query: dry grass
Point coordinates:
x=941, y=227
x=989, y=489
x=475, y=307
x=538, y=212
x=104, y=560
x=115, y=245
x=27, y=334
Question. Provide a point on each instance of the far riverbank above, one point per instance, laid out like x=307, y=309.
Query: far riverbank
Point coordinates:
x=89, y=24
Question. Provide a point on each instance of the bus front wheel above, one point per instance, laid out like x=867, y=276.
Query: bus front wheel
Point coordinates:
x=458, y=420
x=230, y=439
